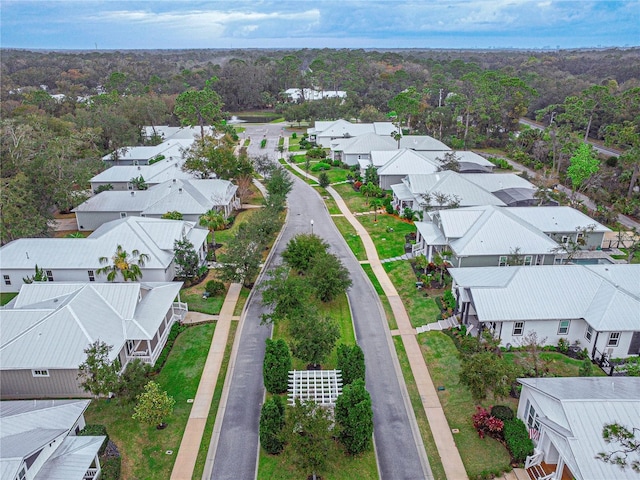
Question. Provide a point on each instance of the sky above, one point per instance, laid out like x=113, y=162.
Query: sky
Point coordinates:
x=159, y=24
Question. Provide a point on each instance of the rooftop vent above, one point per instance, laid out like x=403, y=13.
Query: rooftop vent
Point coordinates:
x=132, y=193
x=180, y=190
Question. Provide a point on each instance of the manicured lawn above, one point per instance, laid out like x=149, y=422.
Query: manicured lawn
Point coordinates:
x=193, y=296
x=6, y=297
x=388, y=243
x=255, y=198
x=242, y=299
x=477, y=454
x=354, y=200
x=421, y=309
x=559, y=365
x=351, y=237
x=423, y=424
x=340, y=466
x=215, y=402
x=294, y=148
x=224, y=236
x=391, y=319
x=336, y=174
x=331, y=204
x=635, y=259
x=143, y=447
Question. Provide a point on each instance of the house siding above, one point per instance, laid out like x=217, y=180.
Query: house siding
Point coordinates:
x=493, y=260
x=593, y=240
x=89, y=221
x=21, y=384
x=387, y=180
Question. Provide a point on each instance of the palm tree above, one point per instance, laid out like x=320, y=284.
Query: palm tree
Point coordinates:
x=124, y=264
x=212, y=220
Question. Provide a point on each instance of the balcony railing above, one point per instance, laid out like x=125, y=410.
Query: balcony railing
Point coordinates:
x=90, y=474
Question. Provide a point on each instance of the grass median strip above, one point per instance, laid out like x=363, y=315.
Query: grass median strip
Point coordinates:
x=351, y=237
x=391, y=319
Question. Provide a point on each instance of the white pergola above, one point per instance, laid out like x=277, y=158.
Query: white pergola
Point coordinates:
x=321, y=386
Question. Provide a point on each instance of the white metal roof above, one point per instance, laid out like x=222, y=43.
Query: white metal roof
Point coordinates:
x=574, y=411
x=431, y=233
x=463, y=156
x=168, y=133
x=344, y=128
x=498, y=181
x=40, y=332
x=423, y=143
x=366, y=143
x=167, y=148
x=407, y=162
x=451, y=183
x=401, y=191
x=152, y=236
x=556, y=219
x=552, y=292
x=71, y=460
x=380, y=157
x=153, y=174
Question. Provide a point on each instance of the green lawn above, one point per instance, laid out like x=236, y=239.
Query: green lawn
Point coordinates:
x=421, y=309
x=143, y=447
x=242, y=299
x=635, y=259
x=421, y=417
x=6, y=297
x=224, y=236
x=331, y=204
x=354, y=200
x=477, y=454
x=336, y=174
x=389, y=244
x=340, y=466
x=391, y=319
x=215, y=402
x=559, y=365
x=351, y=237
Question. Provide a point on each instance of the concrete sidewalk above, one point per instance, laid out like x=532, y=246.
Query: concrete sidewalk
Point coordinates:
x=449, y=455
x=192, y=437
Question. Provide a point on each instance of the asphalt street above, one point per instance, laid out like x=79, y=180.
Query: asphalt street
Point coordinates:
x=395, y=430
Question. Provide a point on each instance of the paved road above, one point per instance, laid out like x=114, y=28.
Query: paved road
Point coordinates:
x=395, y=430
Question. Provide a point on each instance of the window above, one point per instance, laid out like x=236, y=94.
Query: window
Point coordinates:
x=588, y=334
x=22, y=474
x=528, y=260
x=92, y=276
x=532, y=417
x=40, y=373
x=7, y=279
x=614, y=338
x=49, y=276
x=563, y=327
x=502, y=261
x=565, y=239
x=518, y=328
x=123, y=214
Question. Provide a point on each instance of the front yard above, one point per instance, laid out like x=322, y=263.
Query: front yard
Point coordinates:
x=388, y=233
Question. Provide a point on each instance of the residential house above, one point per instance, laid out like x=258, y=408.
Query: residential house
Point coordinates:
x=165, y=132
x=423, y=143
x=325, y=132
x=39, y=440
x=487, y=235
x=468, y=162
x=595, y=306
x=192, y=198
x=353, y=150
x=510, y=188
x=421, y=192
x=120, y=176
x=310, y=94
x=172, y=149
x=566, y=416
x=77, y=259
x=45, y=330
x=404, y=162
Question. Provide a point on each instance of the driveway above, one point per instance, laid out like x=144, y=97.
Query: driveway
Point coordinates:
x=395, y=430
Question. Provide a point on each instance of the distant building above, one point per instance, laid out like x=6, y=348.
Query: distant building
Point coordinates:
x=310, y=94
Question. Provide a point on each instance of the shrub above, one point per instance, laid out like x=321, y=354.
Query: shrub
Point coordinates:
x=563, y=346
x=502, y=412
x=271, y=424
x=111, y=468
x=586, y=368
x=316, y=152
x=214, y=287
x=294, y=135
x=486, y=424
x=176, y=329
x=336, y=163
x=517, y=439
x=323, y=180
x=320, y=166
x=449, y=300
x=276, y=366
x=389, y=209
x=354, y=414
x=351, y=363
x=263, y=143
x=96, y=430
x=357, y=185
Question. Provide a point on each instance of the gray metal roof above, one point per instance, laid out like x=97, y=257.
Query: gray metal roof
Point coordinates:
x=344, y=128
x=167, y=148
x=39, y=332
x=153, y=174
x=499, y=181
x=552, y=292
x=423, y=143
x=517, y=196
x=407, y=162
x=451, y=183
x=462, y=156
x=574, y=411
x=556, y=219
x=71, y=460
x=152, y=236
x=379, y=158
x=431, y=233
x=365, y=143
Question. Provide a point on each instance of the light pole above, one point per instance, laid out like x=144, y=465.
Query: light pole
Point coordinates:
x=311, y=226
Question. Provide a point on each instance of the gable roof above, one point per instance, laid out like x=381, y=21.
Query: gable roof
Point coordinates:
x=152, y=236
x=451, y=183
x=423, y=143
x=607, y=296
x=556, y=219
x=344, y=128
x=490, y=230
x=407, y=162
x=50, y=323
x=27, y=426
x=169, y=148
x=189, y=197
x=499, y=181
x=463, y=156
x=573, y=412
x=364, y=144
x=158, y=172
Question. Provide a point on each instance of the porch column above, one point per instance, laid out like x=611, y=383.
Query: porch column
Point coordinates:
x=430, y=253
x=149, y=347
x=559, y=469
